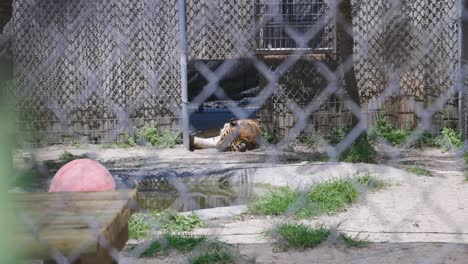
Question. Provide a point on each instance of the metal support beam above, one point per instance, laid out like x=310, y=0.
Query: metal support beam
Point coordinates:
x=183, y=75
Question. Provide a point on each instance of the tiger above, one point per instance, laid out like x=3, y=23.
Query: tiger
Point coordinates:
x=236, y=135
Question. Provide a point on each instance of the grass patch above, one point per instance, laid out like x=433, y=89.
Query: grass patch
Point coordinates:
x=170, y=220
x=276, y=202
x=180, y=242
x=419, y=171
x=155, y=248
x=333, y=196
x=370, y=182
x=354, y=241
x=138, y=227
x=323, y=198
x=183, y=242
x=218, y=252
x=358, y=151
x=300, y=236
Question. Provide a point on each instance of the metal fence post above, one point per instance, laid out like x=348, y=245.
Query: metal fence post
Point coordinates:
x=183, y=74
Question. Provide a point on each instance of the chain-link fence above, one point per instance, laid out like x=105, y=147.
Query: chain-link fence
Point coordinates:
x=110, y=71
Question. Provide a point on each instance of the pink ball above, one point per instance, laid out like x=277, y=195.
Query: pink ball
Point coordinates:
x=82, y=175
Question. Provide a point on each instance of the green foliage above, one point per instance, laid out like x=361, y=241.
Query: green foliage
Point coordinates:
x=66, y=157
x=465, y=157
x=333, y=196
x=170, y=139
x=270, y=136
x=215, y=252
x=370, y=182
x=173, y=221
x=276, y=202
x=178, y=241
x=336, y=135
x=354, y=241
x=419, y=171
x=385, y=129
x=127, y=141
x=300, y=235
x=153, y=249
x=359, y=151
x=316, y=157
x=138, y=226
x=426, y=140
x=449, y=138
x=184, y=242
x=153, y=136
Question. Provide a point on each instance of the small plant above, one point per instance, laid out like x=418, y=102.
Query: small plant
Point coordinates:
x=370, y=182
x=183, y=242
x=354, y=241
x=276, y=202
x=449, y=138
x=180, y=242
x=138, y=227
x=419, y=171
x=270, y=136
x=173, y=221
x=153, y=249
x=215, y=252
x=333, y=196
x=127, y=141
x=336, y=135
x=300, y=236
x=465, y=157
x=151, y=135
x=170, y=139
x=386, y=130
x=66, y=157
x=358, y=151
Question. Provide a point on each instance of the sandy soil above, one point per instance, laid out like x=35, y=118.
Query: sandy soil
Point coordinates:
x=417, y=219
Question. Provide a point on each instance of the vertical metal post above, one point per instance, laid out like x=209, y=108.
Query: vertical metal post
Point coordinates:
x=183, y=75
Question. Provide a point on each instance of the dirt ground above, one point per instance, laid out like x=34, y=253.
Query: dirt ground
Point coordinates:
x=417, y=219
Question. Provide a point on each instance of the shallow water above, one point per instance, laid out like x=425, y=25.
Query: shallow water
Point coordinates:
x=181, y=191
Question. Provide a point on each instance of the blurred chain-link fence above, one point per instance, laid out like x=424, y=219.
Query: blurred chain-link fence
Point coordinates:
x=99, y=72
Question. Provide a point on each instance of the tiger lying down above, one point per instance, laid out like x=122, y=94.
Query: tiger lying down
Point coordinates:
x=237, y=135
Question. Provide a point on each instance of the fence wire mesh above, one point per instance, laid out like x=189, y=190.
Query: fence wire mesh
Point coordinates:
x=102, y=78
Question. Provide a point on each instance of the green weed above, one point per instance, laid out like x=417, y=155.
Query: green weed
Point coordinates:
x=371, y=182
x=215, y=252
x=354, y=241
x=386, y=130
x=138, y=226
x=300, y=236
x=449, y=138
x=271, y=136
x=173, y=221
x=177, y=241
x=153, y=249
x=419, y=171
x=336, y=135
x=183, y=242
x=153, y=136
x=359, y=151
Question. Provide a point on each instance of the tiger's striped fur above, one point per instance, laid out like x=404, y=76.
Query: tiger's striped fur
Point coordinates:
x=239, y=135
